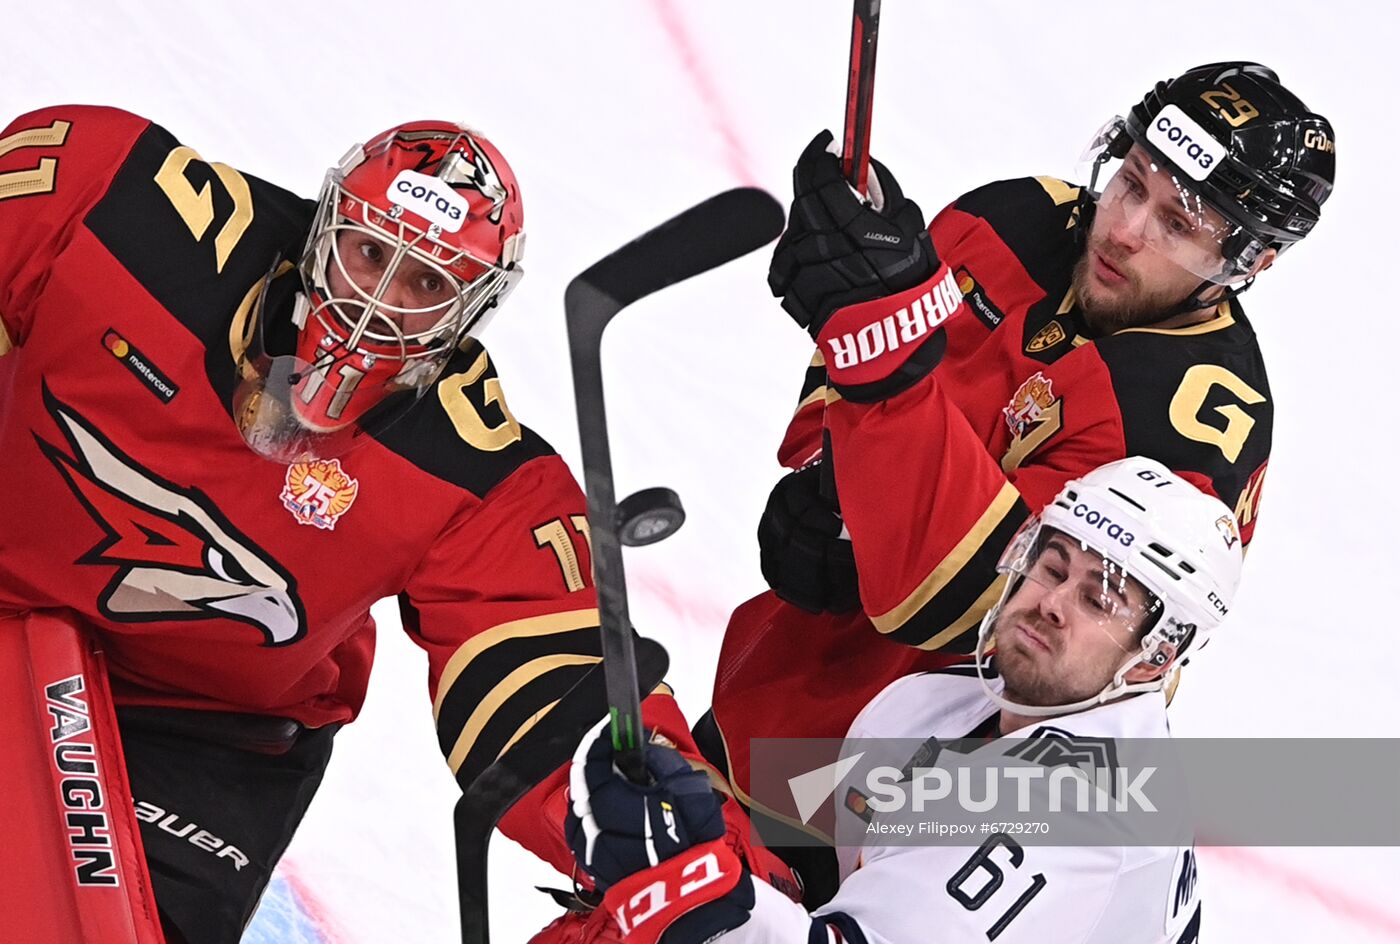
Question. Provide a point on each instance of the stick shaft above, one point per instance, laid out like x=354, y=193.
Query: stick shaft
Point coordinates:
x=860, y=93
x=624, y=700
x=855, y=147
x=709, y=234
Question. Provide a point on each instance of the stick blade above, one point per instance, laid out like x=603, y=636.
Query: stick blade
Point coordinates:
x=711, y=233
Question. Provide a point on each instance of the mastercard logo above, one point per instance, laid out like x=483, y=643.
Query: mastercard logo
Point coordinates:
x=116, y=345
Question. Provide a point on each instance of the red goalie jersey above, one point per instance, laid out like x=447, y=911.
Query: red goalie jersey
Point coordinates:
x=130, y=272
x=934, y=482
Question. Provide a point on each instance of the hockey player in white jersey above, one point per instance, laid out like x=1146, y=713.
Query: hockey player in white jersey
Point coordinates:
x=1109, y=591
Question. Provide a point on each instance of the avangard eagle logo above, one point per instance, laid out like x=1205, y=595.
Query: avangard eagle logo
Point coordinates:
x=468, y=167
x=177, y=557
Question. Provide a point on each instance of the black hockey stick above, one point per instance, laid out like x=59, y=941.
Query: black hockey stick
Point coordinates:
x=855, y=149
x=709, y=234
x=716, y=231
x=860, y=94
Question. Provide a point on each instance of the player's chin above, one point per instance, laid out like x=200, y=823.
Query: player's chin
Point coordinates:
x=1101, y=305
x=1024, y=666
x=1117, y=311
x=1042, y=687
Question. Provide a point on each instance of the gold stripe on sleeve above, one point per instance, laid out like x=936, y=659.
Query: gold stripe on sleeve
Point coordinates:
x=520, y=731
x=564, y=622
x=816, y=396
x=504, y=689
x=949, y=567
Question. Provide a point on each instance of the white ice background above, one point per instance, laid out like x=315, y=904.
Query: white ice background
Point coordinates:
x=616, y=114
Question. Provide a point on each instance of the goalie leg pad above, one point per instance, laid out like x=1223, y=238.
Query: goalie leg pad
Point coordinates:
x=72, y=856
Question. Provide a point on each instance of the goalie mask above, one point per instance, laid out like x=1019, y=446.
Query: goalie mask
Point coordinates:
x=417, y=239
x=1131, y=552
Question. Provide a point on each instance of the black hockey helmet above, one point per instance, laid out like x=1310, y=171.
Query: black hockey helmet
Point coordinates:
x=1273, y=162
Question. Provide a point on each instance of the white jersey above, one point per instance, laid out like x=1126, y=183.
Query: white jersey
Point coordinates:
x=1002, y=891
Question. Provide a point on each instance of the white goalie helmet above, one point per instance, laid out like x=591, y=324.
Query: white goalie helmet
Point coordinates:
x=1166, y=566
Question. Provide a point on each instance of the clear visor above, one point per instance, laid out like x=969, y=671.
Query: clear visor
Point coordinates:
x=1057, y=579
x=282, y=407
x=1142, y=198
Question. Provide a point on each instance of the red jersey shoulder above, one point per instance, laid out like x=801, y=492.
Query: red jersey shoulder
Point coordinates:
x=1204, y=406
x=1037, y=218
x=195, y=235
x=463, y=431
x=1012, y=245
x=65, y=152
x=55, y=163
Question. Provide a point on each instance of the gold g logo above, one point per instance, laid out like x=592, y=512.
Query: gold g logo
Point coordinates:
x=452, y=392
x=1190, y=398
x=196, y=207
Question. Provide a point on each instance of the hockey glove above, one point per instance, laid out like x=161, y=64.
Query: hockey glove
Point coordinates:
x=656, y=851
x=862, y=278
x=802, y=548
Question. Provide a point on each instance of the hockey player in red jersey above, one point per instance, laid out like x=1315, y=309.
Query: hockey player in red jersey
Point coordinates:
x=1092, y=621
x=1070, y=325
x=159, y=316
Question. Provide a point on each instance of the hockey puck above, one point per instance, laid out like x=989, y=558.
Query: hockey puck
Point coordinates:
x=648, y=516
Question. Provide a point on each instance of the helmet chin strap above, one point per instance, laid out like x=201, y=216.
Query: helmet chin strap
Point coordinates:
x=1196, y=302
x=1111, y=692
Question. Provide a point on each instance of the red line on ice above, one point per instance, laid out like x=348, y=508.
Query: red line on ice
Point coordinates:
x=1336, y=900
x=315, y=909
x=710, y=614
x=710, y=98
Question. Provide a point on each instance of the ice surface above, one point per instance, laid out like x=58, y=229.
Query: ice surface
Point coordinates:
x=616, y=114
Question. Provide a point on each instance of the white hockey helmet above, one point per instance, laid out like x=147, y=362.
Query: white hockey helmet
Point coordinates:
x=1180, y=546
